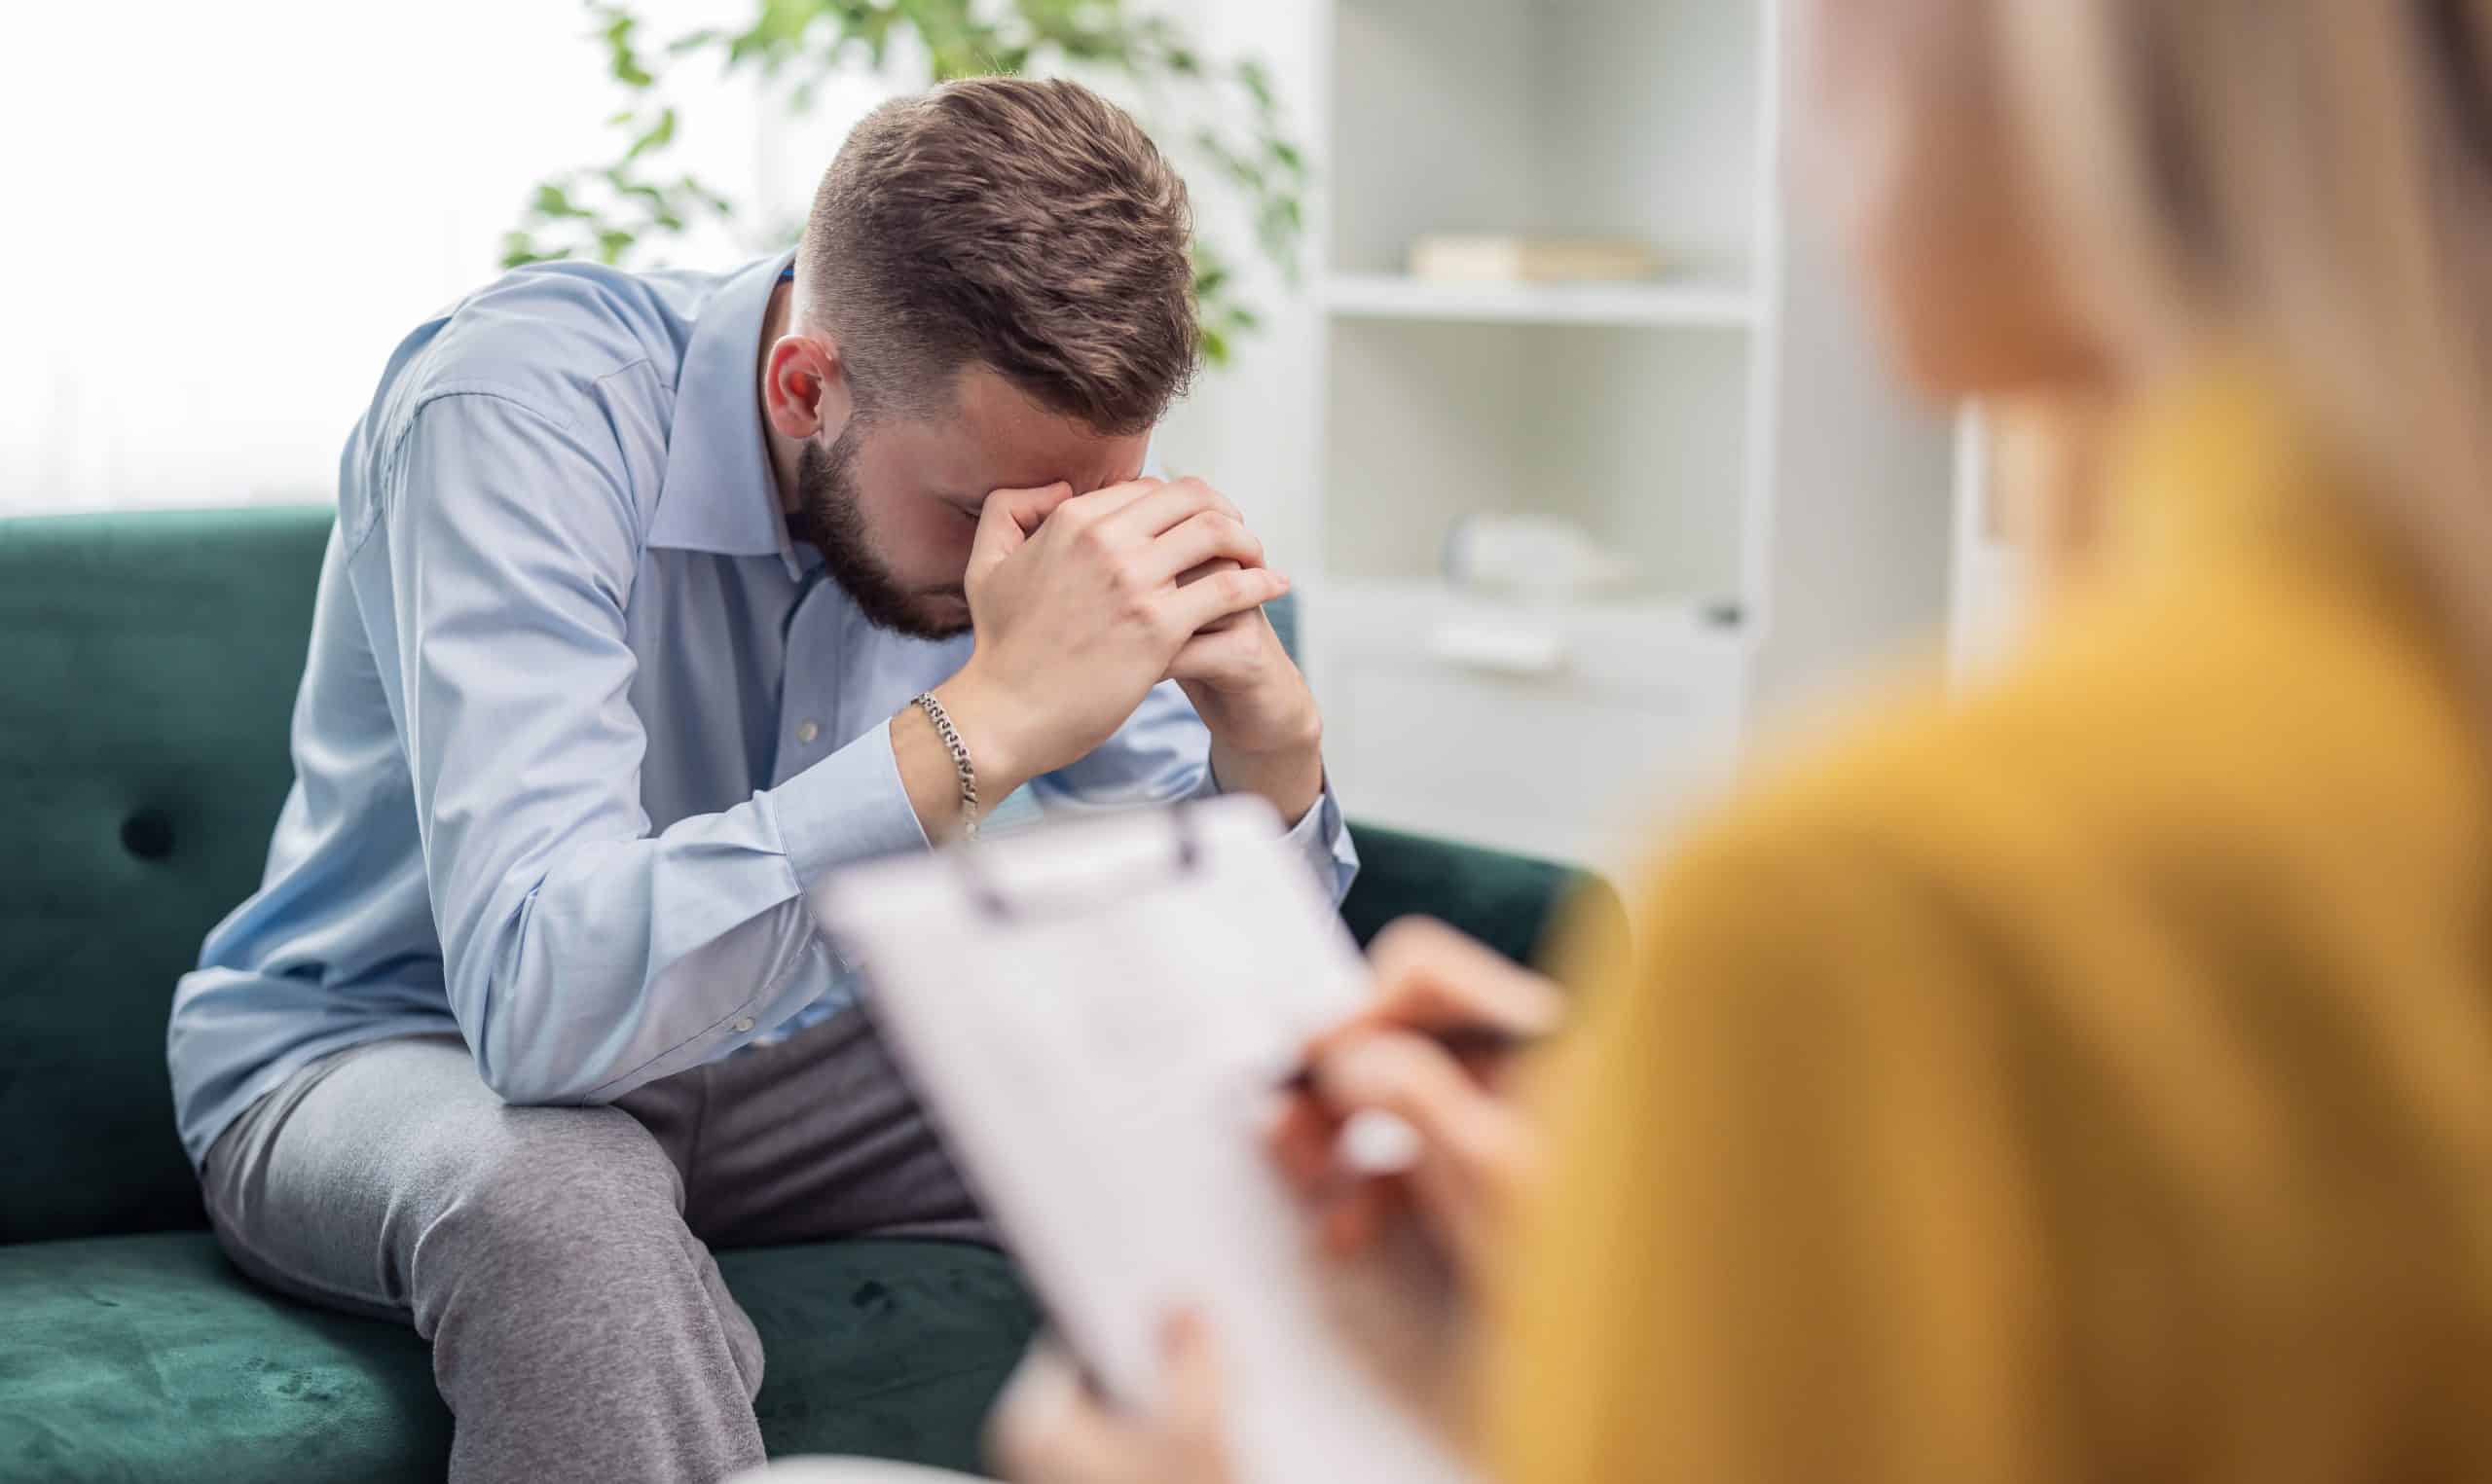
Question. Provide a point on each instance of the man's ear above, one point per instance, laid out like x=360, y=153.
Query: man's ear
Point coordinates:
x=803, y=391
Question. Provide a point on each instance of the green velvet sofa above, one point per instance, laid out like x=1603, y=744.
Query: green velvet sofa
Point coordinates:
x=148, y=666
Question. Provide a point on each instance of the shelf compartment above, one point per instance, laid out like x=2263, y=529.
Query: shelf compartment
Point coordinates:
x=1632, y=434
x=1599, y=119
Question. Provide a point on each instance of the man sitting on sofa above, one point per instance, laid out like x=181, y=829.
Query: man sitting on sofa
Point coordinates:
x=652, y=598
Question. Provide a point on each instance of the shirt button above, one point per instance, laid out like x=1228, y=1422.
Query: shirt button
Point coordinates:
x=806, y=732
x=743, y=1024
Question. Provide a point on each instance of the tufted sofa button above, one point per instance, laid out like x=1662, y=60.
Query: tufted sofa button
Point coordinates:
x=148, y=834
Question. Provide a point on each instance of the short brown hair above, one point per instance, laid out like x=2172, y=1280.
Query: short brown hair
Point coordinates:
x=1030, y=226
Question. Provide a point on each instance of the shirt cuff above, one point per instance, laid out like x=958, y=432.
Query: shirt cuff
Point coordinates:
x=851, y=805
x=1320, y=837
x=1322, y=840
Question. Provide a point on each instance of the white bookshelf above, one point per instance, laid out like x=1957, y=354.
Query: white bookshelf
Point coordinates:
x=1724, y=427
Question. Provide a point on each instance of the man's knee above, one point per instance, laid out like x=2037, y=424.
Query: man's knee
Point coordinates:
x=556, y=1190
x=562, y=1232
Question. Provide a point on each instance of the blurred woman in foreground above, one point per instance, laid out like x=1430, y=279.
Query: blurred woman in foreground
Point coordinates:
x=2090, y=1076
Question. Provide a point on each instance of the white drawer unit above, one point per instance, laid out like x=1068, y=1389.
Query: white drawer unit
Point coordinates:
x=1565, y=731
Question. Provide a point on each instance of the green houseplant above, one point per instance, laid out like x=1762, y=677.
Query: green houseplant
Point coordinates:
x=1219, y=120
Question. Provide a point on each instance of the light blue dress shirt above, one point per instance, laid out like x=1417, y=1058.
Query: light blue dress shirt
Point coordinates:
x=580, y=724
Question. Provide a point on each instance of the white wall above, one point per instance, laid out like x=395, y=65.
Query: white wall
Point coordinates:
x=222, y=216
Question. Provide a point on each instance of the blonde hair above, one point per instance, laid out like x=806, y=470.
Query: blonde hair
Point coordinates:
x=2306, y=181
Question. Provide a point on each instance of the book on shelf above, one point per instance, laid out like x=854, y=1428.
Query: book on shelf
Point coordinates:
x=1466, y=258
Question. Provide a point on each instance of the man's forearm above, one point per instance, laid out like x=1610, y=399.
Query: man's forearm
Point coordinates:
x=928, y=771
x=1290, y=780
x=1290, y=776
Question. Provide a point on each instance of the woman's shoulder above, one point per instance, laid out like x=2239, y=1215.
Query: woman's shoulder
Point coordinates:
x=2241, y=735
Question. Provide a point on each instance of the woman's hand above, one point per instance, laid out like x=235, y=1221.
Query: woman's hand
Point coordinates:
x=1051, y=1429
x=1478, y=1152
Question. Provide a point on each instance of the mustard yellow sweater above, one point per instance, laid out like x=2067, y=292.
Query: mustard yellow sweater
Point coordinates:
x=2085, y=1078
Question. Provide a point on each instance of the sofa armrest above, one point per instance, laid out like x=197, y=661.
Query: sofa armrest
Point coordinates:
x=1509, y=902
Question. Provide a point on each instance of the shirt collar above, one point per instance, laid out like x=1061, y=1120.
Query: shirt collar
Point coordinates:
x=718, y=494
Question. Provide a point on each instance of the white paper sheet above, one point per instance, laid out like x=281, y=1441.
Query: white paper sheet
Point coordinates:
x=1098, y=1029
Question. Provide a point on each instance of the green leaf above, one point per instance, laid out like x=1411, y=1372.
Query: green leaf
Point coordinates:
x=1256, y=80
x=552, y=200
x=611, y=244
x=514, y=257
x=657, y=136
x=621, y=59
x=1215, y=345
x=624, y=185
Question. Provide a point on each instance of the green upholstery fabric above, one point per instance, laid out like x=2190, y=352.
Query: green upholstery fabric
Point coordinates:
x=150, y=669
x=892, y=1349
x=148, y=666
x=149, y=1357
x=1512, y=904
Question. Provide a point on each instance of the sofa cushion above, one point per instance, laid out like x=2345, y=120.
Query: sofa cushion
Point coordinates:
x=152, y=663
x=149, y=1357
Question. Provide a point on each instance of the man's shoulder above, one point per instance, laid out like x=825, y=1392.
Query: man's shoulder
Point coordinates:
x=559, y=338
x=590, y=352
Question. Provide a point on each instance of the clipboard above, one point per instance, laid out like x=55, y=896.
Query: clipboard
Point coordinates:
x=1095, y=1015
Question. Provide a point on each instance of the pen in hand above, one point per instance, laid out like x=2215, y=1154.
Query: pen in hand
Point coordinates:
x=1374, y=1142
x=1466, y=1042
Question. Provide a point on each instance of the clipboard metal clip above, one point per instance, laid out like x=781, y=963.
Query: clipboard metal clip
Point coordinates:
x=990, y=898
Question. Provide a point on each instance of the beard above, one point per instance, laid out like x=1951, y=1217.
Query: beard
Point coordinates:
x=830, y=515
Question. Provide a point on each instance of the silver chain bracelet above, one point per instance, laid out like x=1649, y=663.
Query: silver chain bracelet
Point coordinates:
x=961, y=763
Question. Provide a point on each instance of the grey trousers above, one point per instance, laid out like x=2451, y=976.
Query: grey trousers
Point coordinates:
x=558, y=1259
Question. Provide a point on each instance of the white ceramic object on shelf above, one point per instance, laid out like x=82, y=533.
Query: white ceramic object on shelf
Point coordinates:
x=1536, y=555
